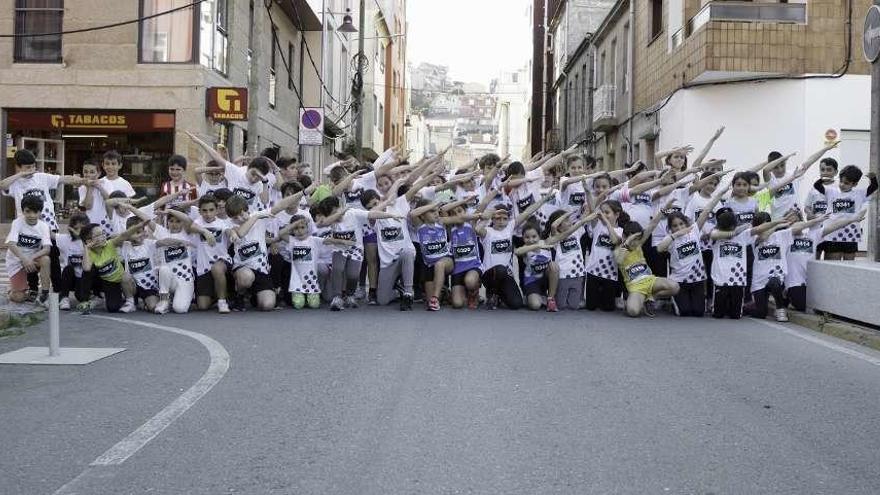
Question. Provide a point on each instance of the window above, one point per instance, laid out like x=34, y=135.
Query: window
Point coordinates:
x=272, y=64
x=167, y=38
x=376, y=107
x=624, y=60
x=381, y=116
x=583, y=107
x=656, y=18
x=36, y=17
x=250, y=48
x=515, y=77
x=600, y=70
x=612, y=67
x=214, y=35
x=290, y=65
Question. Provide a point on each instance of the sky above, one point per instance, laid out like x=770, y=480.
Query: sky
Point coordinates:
x=475, y=38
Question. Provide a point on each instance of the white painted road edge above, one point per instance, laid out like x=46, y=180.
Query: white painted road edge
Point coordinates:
x=128, y=446
x=824, y=342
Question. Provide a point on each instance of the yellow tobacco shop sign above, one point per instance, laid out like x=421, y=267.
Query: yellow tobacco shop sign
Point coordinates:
x=227, y=104
x=88, y=121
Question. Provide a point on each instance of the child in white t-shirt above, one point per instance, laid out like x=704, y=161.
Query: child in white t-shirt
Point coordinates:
x=28, y=244
x=70, y=256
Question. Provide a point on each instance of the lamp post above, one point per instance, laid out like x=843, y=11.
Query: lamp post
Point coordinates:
x=359, y=118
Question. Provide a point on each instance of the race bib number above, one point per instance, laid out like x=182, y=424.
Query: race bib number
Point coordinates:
x=107, y=268
x=524, y=203
x=29, y=241
x=843, y=205
x=731, y=250
x=139, y=265
x=248, y=251
x=820, y=207
x=465, y=251
x=434, y=248
x=175, y=253
x=604, y=241
x=786, y=190
x=353, y=196
x=540, y=266
x=502, y=246
x=347, y=235
x=637, y=271
x=802, y=246
x=301, y=253
x=34, y=193
x=670, y=210
x=687, y=249
x=570, y=244
x=75, y=260
x=769, y=253
x=391, y=234
x=745, y=217
x=577, y=199
x=642, y=199
x=247, y=194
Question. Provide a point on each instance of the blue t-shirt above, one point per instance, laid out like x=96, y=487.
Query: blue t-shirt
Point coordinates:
x=464, y=249
x=433, y=242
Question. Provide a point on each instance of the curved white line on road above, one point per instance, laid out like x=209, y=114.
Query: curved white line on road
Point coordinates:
x=127, y=447
x=822, y=342
x=118, y=453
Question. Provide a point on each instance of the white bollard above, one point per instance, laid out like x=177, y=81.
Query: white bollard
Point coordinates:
x=54, y=329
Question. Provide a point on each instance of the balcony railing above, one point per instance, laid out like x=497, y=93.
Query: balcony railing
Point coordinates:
x=604, y=103
x=721, y=10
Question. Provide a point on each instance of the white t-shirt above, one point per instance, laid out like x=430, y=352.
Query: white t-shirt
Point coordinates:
x=29, y=238
x=282, y=220
x=744, y=209
x=843, y=204
x=117, y=184
x=98, y=212
x=785, y=198
x=207, y=255
x=601, y=261
x=639, y=207
x=680, y=198
x=801, y=250
x=204, y=187
x=140, y=262
x=351, y=227
x=729, y=260
x=393, y=235
x=573, y=197
x=70, y=253
x=498, y=247
x=816, y=203
x=304, y=257
x=325, y=256
x=570, y=257
x=40, y=186
x=693, y=210
x=236, y=178
x=177, y=256
x=771, y=258
x=250, y=251
x=686, y=258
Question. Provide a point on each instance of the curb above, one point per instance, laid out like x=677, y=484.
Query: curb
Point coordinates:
x=847, y=331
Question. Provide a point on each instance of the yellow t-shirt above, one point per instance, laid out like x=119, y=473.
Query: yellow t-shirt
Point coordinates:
x=106, y=262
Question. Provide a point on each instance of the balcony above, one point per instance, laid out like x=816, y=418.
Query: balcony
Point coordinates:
x=605, y=107
x=718, y=10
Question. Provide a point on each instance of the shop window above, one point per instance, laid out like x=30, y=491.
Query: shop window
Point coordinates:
x=214, y=41
x=37, y=17
x=167, y=38
x=656, y=18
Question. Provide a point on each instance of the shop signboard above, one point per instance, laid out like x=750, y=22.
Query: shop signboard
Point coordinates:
x=227, y=104
x=84, y=120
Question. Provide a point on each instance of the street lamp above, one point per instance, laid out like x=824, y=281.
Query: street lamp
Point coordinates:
x=347, y=23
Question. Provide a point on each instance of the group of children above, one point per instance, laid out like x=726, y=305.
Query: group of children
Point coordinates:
x=551, y=233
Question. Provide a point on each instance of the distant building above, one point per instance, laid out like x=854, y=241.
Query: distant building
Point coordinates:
x=511, y=91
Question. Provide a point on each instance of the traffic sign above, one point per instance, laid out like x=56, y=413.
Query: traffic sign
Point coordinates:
x=871, y=34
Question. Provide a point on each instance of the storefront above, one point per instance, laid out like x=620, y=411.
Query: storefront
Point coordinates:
x=62, y=140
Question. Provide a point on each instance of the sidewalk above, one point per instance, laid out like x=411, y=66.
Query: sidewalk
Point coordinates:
x=14, y=315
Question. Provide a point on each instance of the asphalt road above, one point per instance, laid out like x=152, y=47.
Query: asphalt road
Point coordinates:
x=374, y=401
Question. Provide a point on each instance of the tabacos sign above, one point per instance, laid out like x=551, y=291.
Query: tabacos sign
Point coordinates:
x=88, y=121
x=227, y=104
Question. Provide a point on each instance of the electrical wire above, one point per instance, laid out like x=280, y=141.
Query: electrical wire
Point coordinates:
x=312, y=60
x=105, y=26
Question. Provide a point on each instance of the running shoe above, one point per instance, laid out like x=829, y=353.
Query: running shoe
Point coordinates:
x=337, y=304
x=551, y=305
x=406, y=302
x=222, y=306
x=433, y=304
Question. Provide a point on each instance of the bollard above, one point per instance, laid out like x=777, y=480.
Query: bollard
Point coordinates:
x=54, y=330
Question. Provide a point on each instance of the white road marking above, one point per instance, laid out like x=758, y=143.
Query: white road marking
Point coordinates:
x=128, y=446
x=823, y=342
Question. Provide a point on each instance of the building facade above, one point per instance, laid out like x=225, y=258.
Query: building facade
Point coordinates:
x=511, y=113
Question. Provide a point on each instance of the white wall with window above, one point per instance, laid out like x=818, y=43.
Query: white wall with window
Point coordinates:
x=38, y=16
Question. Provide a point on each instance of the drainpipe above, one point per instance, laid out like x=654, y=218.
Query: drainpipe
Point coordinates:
x=588, y=130
x=629, y=80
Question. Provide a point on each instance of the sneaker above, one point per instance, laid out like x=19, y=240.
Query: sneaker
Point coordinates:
x=360, y=294
x=351, y=302
x=64, y=304
x=97, y=302
x=43, y=298
x=237, y=303
x=649, y=308
x=32, y=296
x=372, y=301
x=161, y=307
x=128, y=307
x=337, y=304
x=406, y=302
x=473, y=299
x=492, y=302
x=551, y=305
x=433, y=304
x=222, y=306
x=781, y=315
x=84, y=308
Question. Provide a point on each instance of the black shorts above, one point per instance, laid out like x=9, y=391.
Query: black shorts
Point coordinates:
x=821, y=248
x=262, y=282
x=143, y=294
x=538, y=287
x=841, y=247
x=458, y=278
